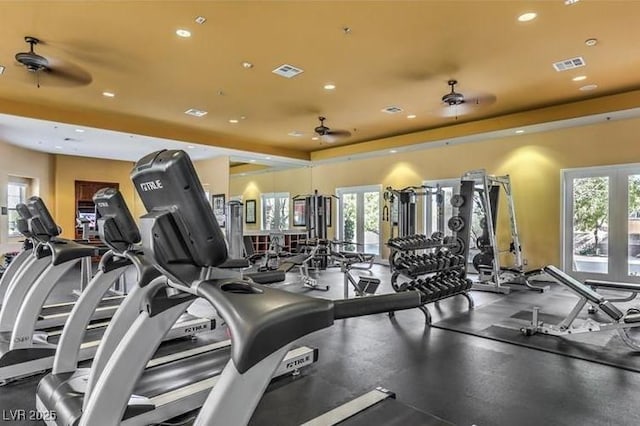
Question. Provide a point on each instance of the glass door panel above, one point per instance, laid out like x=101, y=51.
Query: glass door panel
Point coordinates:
x=350, y=225
x=590, y=230
x=371, y=222
x=633, y=226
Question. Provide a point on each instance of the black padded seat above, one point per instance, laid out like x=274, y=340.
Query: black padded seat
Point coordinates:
x=266, y=277
x=234, y=264
x=575, y=285
x=613, y=285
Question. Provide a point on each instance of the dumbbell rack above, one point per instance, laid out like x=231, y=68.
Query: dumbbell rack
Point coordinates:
x=434, y=266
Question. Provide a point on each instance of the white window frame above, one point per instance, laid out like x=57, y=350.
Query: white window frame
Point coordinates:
x=454, y=183
x=360, y=190
x=276, y=196
x=618, y=220
x=22, y=183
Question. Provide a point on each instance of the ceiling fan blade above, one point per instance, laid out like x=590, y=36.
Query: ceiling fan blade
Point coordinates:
x=339, y=133
x=61, y=73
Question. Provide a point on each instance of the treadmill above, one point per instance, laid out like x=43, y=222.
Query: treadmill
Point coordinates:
x=181, y=236
x=23, y=351
x=52, y=315
x=172, y=384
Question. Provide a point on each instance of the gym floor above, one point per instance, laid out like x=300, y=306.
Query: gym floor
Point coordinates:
x=460, y=378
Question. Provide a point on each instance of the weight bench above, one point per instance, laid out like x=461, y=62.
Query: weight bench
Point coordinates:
x=632, y=289
x=618, y=320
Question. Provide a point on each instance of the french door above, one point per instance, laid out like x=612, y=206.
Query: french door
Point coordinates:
x=359, y=218
x=601, y=223
x=438, y=210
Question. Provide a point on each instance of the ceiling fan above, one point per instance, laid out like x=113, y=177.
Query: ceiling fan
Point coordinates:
x=456, y=104
x=328, y=135
x=52, y=72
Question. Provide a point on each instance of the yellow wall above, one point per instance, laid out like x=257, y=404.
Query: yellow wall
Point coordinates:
x=38, y=166
x=68, y=169
x=214, y=175
x=533, y=161
x=294, y=181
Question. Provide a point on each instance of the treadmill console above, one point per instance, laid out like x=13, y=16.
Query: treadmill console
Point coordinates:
x=22, y=223
x=41, y=223
x=116, y=226
x=185, y=231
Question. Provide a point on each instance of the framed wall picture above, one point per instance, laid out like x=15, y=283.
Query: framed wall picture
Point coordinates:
x=299, y=212
x=250, y=211
x=328, y=210
x=217, y=201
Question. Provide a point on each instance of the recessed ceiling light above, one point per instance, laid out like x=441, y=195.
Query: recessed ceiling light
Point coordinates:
x=329, y=86
x=196, y=112
x=183, y=33
x=570, y=2
x=267, y=158
x=80, y=130
x=519, y=131
x=393, y=151
x=589, y=87
x=191, y=147
x=201, y=20
x=1, y=69
x=247, y=65
x=296, y=133
x=579, y=78
x=108, y=94
x=315, y=138
x=526, y=17
x=58, y=147
x=233, y=121
x=591, y=42
x=411, y=116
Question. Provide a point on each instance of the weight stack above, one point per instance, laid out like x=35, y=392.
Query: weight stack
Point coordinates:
x=465, y=208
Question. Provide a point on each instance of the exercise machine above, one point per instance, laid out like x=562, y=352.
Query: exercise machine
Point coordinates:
x=403, y=206
x=172, y=385
x=185, y=242
x=238, y=250
x=617, y=320
x=493, y=276
x=29, y=265
x=120, y=233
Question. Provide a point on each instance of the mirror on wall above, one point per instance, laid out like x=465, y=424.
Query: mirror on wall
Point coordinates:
x=269, y=194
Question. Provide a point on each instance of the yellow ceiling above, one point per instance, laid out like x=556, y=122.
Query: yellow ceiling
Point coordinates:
x=396, y=53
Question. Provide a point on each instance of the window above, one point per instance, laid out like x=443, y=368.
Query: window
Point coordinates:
x=275, y=211
x=601, y=230
x=17, y=191
x=359, y=218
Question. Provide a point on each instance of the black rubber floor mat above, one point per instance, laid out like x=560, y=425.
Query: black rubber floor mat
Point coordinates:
x=503, y=319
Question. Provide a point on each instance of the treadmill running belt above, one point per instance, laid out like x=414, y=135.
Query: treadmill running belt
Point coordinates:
x=66, y=308
x=392, y=412
x=175, y=375
x=89, y=336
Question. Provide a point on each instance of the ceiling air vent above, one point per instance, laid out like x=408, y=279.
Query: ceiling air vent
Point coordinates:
x=196, y=112
x=392, y=109
x=569, y=64
x=287, y=71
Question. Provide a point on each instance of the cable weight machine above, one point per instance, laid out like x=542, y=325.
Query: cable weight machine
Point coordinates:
x=493, y=276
